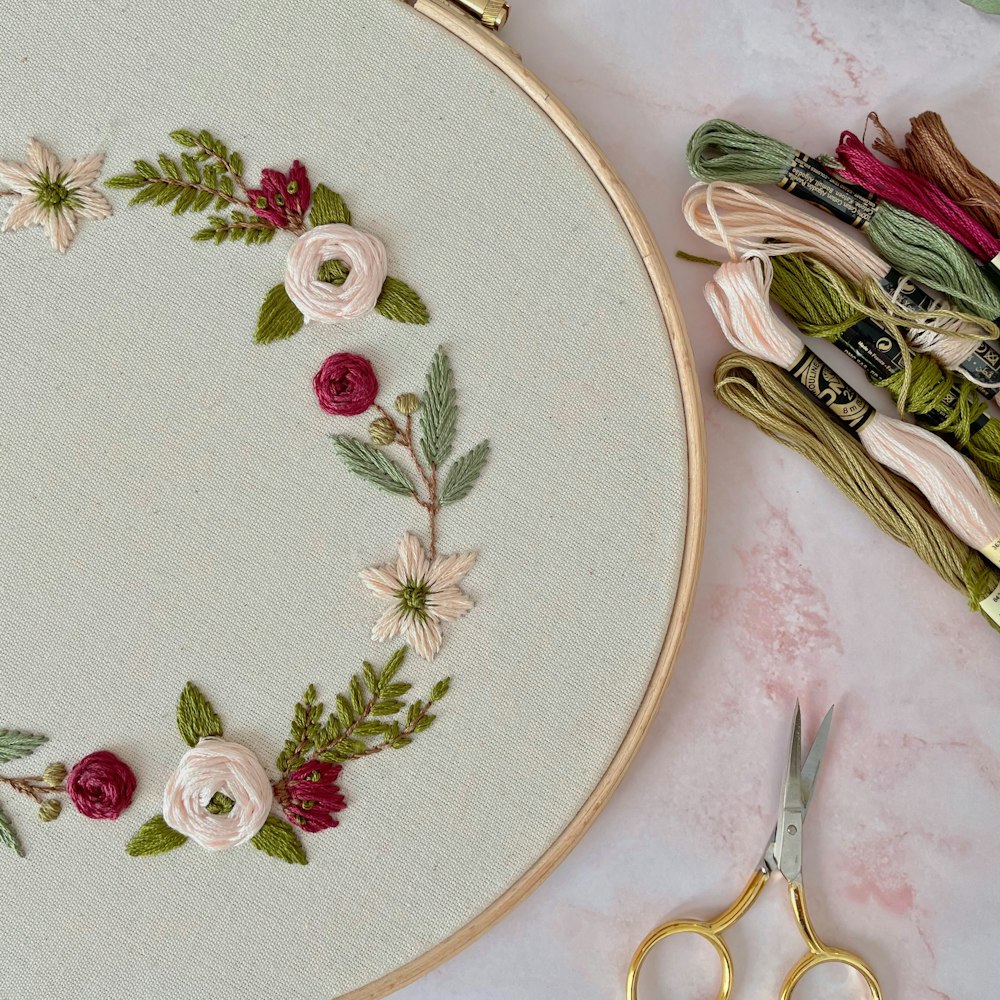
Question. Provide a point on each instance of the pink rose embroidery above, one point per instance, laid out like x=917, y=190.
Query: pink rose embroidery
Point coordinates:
x=345, y=385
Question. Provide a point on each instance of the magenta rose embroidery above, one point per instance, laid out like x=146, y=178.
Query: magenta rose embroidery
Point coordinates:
x=310, y=796
x=101, y=785
x=345, y=385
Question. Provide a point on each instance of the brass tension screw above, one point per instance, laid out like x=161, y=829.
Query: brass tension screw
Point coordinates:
x=492, y=13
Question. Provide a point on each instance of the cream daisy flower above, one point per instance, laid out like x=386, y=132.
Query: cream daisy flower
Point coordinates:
x=424, y=593
x=51, y=196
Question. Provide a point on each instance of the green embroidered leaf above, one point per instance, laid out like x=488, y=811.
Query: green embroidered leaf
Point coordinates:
x=154, y=837
x=440, y=689
x=8, y=838
x=14, y=744
x=196, y=718
x=184, y=138
x=279, y=317
x=371, y=678
x=126, y=181
x=370, y=463
x=401, y=303
x=440, y=411
x=328, y=207
x=393, y=665
x=357, y=694
x=463, y=474
x=278, y=839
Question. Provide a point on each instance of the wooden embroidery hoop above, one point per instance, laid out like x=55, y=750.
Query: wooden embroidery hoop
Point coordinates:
x=505, y=59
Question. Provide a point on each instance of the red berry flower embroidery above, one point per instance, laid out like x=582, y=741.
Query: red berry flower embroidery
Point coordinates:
x=310, y=796
x=101, y=786
x=283, y=199
x=345, y=385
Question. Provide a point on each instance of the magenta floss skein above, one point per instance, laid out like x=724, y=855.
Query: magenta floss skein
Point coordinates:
x=921, y=197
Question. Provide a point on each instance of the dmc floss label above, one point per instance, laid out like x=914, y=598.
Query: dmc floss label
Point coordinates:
x=824, y=384
x=982, y=365
x=881, y=356
x=992, y=552
x=808, y=179
x=991, y=605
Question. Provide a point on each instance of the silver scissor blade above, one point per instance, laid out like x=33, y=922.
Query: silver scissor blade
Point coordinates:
x=810, y=769
x=788, y=843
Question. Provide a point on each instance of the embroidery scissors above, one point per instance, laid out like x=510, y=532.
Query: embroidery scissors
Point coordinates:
x=782, y=855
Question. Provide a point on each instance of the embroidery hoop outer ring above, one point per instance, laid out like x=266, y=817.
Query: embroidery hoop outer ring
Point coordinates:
x=504, y=58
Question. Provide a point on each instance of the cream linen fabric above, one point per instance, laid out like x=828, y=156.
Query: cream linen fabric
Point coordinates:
x=172, y=507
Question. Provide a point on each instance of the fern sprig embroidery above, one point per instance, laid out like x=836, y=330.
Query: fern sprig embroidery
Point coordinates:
x=334, y=271
x=239, y=798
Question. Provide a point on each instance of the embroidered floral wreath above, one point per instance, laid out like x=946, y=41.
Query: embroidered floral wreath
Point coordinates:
x=220, y=796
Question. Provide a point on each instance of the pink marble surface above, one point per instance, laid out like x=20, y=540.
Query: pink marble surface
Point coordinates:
x=799, y=594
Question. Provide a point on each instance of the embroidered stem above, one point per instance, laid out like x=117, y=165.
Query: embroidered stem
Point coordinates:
x=405, y=733
x=404, y=435
x=34, y=786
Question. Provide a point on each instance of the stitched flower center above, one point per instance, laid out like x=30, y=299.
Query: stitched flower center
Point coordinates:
x=52, y=194
x=413, y=598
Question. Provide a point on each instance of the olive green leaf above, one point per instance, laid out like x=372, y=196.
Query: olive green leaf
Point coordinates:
x=279, y=839
x=439, y=414
x=399, y=302
x=370, y=463
x=279, y=317
x=328, y=207
x=464, y=472
x=196, y=718
x=14, y=744
x=154, y=837
x=8, y=838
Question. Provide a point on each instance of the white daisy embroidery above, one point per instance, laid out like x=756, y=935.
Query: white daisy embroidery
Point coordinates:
x=52, y=196
x=424, y=593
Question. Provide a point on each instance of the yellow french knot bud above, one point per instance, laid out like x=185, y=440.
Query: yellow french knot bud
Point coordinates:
x=408, y=403
x=54, y=775
x=383, y=431
x=49, y=810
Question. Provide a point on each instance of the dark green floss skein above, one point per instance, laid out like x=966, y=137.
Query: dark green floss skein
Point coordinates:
x=816, y=307
x=721, y=150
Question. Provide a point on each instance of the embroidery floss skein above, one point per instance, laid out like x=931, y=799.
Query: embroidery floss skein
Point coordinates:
x=738, y=295
x=768, y=397
x=822, y=305
x=930, y=151
x=721, y=150
x=743, y=220
x=919, y=196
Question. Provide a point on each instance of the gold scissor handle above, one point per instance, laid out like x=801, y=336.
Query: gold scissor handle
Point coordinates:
x=819, y=953
x=710, y=930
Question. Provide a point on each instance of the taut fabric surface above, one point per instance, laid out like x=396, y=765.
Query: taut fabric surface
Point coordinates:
x=172, y=508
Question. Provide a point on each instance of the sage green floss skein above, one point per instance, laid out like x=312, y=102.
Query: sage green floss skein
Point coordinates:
x=770, y=399
x=721, y=150
x=819, y=302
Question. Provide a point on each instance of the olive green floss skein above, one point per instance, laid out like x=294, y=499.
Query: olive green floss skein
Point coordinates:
x=823, y=304
x=769, y=398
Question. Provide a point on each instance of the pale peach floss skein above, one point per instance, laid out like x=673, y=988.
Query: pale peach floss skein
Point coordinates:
x=742, y=220
x=739, y=297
